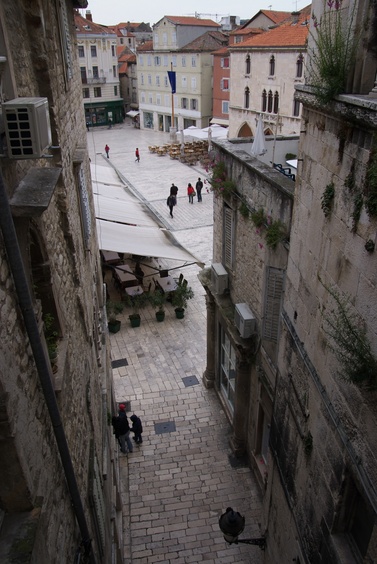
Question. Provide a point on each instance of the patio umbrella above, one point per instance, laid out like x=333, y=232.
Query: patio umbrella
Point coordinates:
x=182, y=141
x=259, y=147
x=209, y=139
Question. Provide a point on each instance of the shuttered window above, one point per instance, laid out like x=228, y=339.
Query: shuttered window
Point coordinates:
x=228, y=237
x=65, y=38
x=272, y=303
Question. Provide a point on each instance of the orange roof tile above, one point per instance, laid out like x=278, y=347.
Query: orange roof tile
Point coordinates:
x=188, y=20
x=86, y=26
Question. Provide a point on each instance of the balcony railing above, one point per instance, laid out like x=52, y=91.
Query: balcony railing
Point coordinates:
x=97, y=80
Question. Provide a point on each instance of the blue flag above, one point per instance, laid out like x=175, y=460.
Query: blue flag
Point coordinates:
x=171, y=75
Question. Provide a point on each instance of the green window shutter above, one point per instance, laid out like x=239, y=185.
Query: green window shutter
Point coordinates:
x=65, y=38
x=228, y=237
x=272, y=303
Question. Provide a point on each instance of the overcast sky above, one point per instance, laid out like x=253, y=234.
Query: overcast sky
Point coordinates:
x=110, y=12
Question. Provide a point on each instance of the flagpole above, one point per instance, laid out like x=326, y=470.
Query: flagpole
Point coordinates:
x=172, y=101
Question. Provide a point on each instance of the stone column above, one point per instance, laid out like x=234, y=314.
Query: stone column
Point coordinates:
x=241, y=408
x=209, y=373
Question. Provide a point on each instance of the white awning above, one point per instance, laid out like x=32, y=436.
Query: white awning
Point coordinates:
x=122, y=211
x=143, y=241
x=220, y=121
x=132, y=113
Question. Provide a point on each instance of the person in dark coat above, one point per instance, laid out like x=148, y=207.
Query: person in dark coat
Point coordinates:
x=122, y=430
x=171, y=202
x=173, y=190
x=137, y=428
x=199, y=186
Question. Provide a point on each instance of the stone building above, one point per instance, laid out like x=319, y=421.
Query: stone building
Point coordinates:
x=298, y=282
x=59, y=490
x=264, y=71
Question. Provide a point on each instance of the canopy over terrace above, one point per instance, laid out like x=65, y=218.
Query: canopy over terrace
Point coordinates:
x=126, y=225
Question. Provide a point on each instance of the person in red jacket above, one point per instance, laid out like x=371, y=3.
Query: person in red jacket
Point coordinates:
x=137, y=155
x=107, y=149
x=190, y=193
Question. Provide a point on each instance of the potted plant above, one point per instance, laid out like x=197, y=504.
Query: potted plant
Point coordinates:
x=180, y=296
x=113, y=309
x=158, y=300
x=136, y=303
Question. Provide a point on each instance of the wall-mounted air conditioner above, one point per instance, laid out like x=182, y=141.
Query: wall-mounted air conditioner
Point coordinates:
x=27, y=127
x=244, y=320
x=219, y=278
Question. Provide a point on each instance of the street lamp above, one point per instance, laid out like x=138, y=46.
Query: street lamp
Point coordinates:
x=232, y=524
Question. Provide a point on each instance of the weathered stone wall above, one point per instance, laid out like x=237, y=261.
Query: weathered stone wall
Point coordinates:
x=34, y=52
x=324, y=432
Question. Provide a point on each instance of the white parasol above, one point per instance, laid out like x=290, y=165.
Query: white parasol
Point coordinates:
x=259, y=147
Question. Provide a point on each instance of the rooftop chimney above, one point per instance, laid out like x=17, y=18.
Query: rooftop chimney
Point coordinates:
x=88, y=15
x=295, y=16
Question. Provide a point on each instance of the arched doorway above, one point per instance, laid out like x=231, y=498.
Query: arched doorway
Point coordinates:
x=245, y=131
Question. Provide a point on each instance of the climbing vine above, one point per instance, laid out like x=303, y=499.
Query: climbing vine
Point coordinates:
x=327, y=199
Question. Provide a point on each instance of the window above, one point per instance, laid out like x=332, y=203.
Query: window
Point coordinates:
x=156, y=39
x=272, y=65
x=158, y=99
x=299, y=66
x=86, y=215
x=95, y=72
x=239, y=39
x=165, y=60
x=149, y=79
x=296, y=108
x=143, y=97
x=157, y=80
x=194, y=104
x=93, y=50
x=225, y=84
x=81, y=51
x=166, y=81
x=85, y=93
x=272, y=303
x=193, y=61
x=97, y=92
x=228, y=240
x=225, y=107
x=247, y=70
x=65, y=38
x=193, y=82
x=264, y=101
x=141, y=60
x=184, y=82
x=227, y=370
x=167, y=100
x=114, y=71
x=225, y=62
x=183, y=61
x=174, y=60
x=269, y=101
x=83, y=74
x=149, y=61
x=276, y=102
x=173, y=38
x=113, y=52
x=184, y=103
x=150, y=98
x=164, y=38
x=142, y=79
x=247, y=97
x=115, y=91
x=157, y=61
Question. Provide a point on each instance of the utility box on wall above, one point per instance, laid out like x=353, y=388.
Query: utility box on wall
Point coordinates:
x=27, y=127
x=219, y=278
x=244, y=320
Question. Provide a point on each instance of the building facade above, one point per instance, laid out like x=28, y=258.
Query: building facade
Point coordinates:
x=59, y=482
x=264, y=71
x=174, y=49
x=97, y=53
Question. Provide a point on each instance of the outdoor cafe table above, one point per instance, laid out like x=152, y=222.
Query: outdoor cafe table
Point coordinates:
x=125, y=268
x=167, y=284
x=110, y=257
x=125, y=279
x=134, y=290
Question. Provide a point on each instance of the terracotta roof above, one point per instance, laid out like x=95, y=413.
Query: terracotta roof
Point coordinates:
x=188, y=20
x=133, y=27
x=209, y=41
x=276, y=17
x=125, y=54
x=221, y=51
x=290, y=33
x=147, y=46
x=85, y=26
x=247, y=31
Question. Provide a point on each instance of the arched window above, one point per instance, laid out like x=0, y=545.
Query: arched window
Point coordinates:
x=247, y=97
x=276, y=102
x=264, y=101
x=296, y=108
x=269, y=101
x=272, y=65
x=299, y=66
x=248, y=64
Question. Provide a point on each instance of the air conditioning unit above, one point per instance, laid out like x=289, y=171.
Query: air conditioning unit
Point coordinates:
x=244, y=320
x=219, y=278
x=27, y=127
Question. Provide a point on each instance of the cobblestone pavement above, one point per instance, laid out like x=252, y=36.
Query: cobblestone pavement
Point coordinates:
x=181, y=479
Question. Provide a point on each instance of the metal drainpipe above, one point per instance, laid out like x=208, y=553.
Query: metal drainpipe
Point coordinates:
x=26, y=306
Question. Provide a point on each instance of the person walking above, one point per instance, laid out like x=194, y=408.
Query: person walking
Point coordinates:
x=137, y=155
x=199, y=186
x=137, y=428
x=122, y=430
x=171, y=202
x=107, y=150
x=87, y=126
x=173, y=190
x=190, y=193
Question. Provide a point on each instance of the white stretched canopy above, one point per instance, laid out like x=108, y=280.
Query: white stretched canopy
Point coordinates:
x=143, y=241
x=122, y=211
